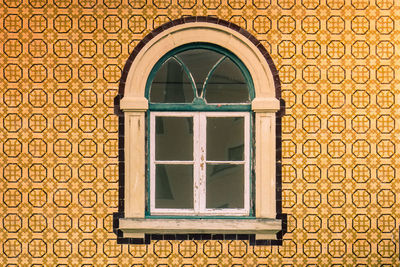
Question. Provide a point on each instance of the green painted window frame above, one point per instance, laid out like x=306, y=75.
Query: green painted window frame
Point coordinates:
x=199, y=104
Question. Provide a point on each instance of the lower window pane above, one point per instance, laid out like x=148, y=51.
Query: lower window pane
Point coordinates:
x=225, y=186
x=174, y=186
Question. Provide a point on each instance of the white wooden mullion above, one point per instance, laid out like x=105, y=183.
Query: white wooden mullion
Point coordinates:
x=183, y=162
x=152, y=162
x=226, y=212
x=196, y=166
x=224, y=114
x=172, y=114
x=247, y=162
x=226, y=162
x=202, y=157
x=165, y=211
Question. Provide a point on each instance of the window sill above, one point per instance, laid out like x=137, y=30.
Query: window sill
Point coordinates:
x=264, y=228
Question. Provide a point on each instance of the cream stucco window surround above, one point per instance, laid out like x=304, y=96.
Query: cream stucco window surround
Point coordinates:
x=134, y=105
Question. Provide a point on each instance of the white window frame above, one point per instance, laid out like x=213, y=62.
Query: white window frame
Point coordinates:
x=199, y=159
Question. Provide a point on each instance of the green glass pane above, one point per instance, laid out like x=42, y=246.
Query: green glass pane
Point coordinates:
x=225, y=186
x=171, y=84
x=199, y=62
x=174, y=138
x=227, y=84
x=225, y=138
x=174, y=186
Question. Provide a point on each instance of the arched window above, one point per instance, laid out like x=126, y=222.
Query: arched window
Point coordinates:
x=197, y=105
x=199, y=133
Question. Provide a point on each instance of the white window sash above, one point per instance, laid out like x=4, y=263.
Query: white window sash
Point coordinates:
x=199, y=165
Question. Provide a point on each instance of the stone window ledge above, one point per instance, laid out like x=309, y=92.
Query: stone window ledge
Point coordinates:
x=264, y=228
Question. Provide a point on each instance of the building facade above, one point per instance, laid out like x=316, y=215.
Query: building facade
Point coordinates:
x=62, y=61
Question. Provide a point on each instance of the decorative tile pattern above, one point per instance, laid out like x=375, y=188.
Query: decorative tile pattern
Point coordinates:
x=62, y=61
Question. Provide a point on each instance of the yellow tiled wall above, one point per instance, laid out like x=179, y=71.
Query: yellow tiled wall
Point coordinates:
x=61, y=61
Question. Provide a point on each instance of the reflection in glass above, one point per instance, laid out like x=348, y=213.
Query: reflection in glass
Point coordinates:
x=227, y=84
x=199, y=62
x=171, y=84
x=225, y=186
x=174, y=138
x=174, y=186
x=225, y=138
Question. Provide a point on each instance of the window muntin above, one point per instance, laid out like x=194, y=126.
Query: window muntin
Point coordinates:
x=199, y=63
x=226, y=84
x=220, y=165
x=171, y=84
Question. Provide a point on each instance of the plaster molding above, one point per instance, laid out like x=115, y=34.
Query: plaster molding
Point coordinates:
x=134, y=104
x=265, y=104
x=225, y=37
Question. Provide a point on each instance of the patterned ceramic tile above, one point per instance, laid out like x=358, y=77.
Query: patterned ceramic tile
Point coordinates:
x=61, y=64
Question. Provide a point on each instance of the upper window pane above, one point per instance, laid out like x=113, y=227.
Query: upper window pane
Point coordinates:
x=174, y=138
x=227, y=84
x=171, y=84
x=225, y=138
x=199, y=62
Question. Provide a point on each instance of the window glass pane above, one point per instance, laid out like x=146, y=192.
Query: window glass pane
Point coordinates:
x=225, y=186
x=174, y=138
x=171, y=84
x=225, y=138
x=227, y=84
x=174, y=186
x=199, y=62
